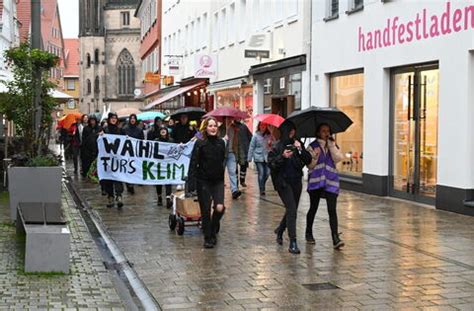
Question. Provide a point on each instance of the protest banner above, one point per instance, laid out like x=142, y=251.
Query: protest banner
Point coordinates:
x=142, y=162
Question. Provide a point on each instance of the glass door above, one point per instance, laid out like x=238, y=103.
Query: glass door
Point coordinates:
x=415, y=133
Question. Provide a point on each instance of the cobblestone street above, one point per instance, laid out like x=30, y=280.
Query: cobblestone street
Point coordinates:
x=398, y=255
x=87, y=286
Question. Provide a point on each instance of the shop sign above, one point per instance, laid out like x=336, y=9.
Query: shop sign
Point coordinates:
x=174, y=64
x=258, y=46
x=151, y=77
x=205, y=66
x=168, y=80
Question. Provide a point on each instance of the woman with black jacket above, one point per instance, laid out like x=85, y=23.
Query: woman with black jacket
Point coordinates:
x=133, y=130
x=207, y=167
x=89, y=149
x=114, y=189
x=161, y=134
x=287, y=160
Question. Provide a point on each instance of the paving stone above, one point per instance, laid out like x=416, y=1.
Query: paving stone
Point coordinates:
x=398, y=255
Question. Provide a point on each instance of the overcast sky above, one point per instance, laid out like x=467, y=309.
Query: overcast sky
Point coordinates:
x=69, y=12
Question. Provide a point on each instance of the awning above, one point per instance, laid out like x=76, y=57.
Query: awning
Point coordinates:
x=59, y=95
x=171, y=95
x=227, y=84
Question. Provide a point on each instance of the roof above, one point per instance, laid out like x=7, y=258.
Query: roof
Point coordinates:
x=72, y=57
x=48, y=14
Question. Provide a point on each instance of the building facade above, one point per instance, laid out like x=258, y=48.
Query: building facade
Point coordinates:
x=149, y=14
x=220, y=41
x=71, y=83
x=404, y=72
x=9, y=32
x=110, y=64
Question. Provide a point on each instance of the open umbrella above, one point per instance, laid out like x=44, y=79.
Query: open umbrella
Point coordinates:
x=126, y=112
x=269, y=118
x=308, y=120
x=69, y=119
x=150, y=116
x=194, y=113
x=229, y=112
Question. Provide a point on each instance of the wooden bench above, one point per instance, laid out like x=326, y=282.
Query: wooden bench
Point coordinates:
x=47, y=237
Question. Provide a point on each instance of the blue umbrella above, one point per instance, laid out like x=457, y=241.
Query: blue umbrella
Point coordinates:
x=150, y=115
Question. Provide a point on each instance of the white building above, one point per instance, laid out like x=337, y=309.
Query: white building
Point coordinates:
x=9, y=34
x=220, y=40
x=404, y=72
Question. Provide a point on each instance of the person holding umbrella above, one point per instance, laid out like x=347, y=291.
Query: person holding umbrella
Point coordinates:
x=287, y=160
x=258, y=152
x=323, y=181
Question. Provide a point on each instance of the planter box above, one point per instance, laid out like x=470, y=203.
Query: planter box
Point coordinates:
x=33, y=184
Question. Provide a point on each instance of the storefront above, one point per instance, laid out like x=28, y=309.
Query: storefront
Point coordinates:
x=280, y=84
x=237, y=93
x=407, y=82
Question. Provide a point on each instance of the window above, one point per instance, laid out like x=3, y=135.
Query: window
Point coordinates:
x=204, y=31
x=292, y=9
x=215, y=32
x=347, y=94
x=96, y=56
x=358, y=4
x=126, y=74
x=89, y=86
x=70, y=85
x=333, y=8
x=88, y=60
x=125, y=17
x=197, y=34
x=278, y=7
x=231, y=27
x=222, y=28
x=242, y=17
x=96, y=85
x=256, y=18
x=191, y=38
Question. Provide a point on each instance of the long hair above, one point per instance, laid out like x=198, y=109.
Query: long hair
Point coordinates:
x=319, y=128
x=267, y=131
x=204, y=125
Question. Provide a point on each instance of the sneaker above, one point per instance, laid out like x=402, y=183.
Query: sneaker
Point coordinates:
x=111, y=202
x=119, y=201
x=310, y=239
x=337, y=242
x=236, y=194
x=208, y=244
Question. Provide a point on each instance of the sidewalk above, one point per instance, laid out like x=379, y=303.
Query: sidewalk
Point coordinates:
x=88, y=286
x=398, y=255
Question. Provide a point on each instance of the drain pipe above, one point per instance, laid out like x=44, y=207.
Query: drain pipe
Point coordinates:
x=136, y=285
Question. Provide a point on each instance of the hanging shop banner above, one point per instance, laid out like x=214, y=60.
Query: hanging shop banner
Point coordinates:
x=142, y=162
x=205, y=66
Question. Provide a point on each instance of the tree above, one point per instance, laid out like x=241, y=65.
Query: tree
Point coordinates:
x=18, y=106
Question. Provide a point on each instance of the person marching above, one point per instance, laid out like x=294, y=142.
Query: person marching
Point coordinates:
x=258, y=152
x=323, y=181
x=114, y=189
x=207, y=167
x=161, y=133
x=76, y=140
x=287, y=160
x=133, y=130
x=89, y=149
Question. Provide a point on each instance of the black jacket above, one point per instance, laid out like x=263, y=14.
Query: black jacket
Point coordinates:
x=279, y=164
x=113, y=129
x=89, y=141
x=208, y=160
x=182, y=133
x=134, y=131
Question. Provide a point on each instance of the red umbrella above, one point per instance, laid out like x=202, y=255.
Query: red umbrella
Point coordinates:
x=230, y=112
x=271, y=119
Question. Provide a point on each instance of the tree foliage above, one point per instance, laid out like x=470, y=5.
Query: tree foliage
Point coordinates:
x=18, y=105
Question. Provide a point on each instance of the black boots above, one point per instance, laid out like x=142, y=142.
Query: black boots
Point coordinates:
x=279, y=237
x=169, y=203
x=211, y=241
x=160, y=201
x=110, y=202
x=294, y=247
x=337, y=242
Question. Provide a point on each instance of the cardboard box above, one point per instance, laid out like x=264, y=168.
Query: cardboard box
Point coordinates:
x=188, y=207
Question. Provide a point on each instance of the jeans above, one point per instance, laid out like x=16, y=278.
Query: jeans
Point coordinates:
x=113, y=188
x=210, y=194
x=290, y=196
x=331, y=200
x=231, y=165
x=263, y=173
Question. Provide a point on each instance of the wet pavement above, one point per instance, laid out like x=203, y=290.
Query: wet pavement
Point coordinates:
x=398, y=255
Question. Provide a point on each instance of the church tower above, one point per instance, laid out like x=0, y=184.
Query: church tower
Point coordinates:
x=91, y=18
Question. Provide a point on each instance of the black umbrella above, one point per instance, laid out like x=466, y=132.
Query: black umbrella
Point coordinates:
x=194, y=113
x=308, y=120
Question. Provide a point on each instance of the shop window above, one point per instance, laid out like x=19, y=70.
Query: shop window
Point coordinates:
x=347, y=94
